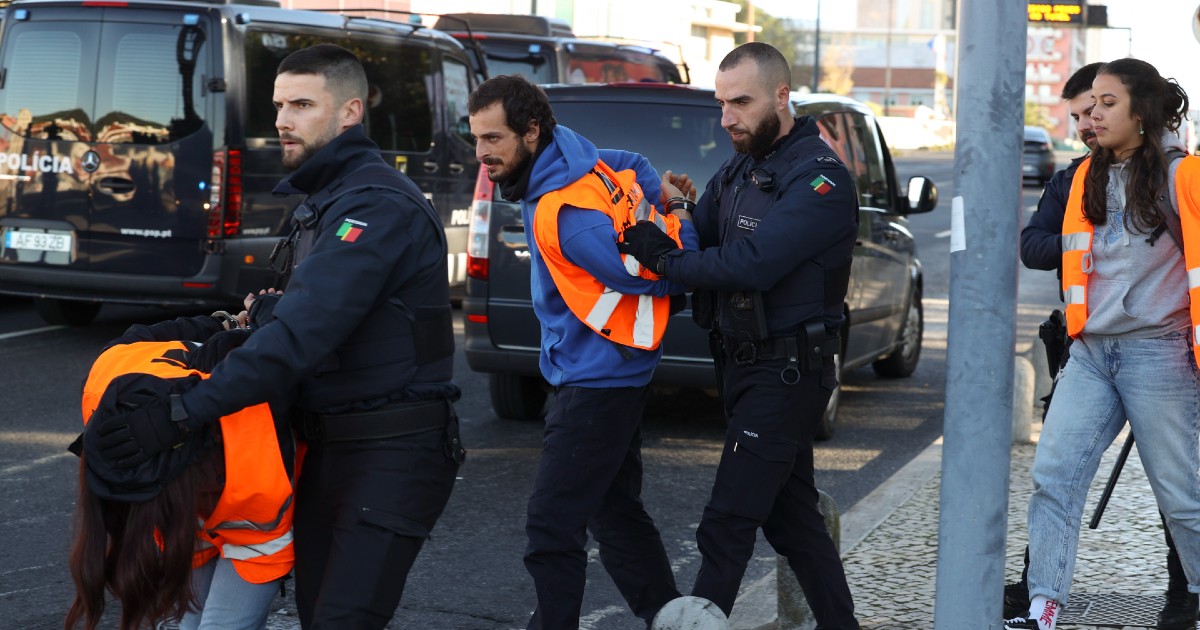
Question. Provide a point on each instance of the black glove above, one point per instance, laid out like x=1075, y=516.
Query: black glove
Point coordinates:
x=151, y=425
x=262, y=310
x=647, y=243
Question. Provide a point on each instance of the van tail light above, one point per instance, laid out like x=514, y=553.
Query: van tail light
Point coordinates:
x=477, y=232
x=225, y=195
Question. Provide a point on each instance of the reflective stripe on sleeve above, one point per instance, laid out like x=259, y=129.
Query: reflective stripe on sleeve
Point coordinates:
x=643, y=326
x=603, y=309
x=1076, y=294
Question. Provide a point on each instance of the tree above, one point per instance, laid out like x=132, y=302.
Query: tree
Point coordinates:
x=793, y=42
x=1036, y=116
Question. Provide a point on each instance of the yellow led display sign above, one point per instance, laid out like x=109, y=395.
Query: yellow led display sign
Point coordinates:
x=1057, y=13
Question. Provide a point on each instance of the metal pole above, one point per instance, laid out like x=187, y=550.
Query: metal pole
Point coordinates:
x=887, y=70
x=816, y=84
x=982, y=328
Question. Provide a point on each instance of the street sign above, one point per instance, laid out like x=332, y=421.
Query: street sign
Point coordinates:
x=1059, y=13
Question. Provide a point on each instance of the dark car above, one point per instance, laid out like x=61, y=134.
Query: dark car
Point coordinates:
x=545, y=50
x=1037, y=156
x=138, y=146
x=679, y=128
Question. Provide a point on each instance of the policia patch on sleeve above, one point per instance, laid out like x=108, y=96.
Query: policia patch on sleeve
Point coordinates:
x=822, y=184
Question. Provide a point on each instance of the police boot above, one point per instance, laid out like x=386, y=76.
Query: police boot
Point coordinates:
x=1182, y=607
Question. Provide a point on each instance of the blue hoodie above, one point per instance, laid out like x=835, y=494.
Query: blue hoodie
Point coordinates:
x=572, y=353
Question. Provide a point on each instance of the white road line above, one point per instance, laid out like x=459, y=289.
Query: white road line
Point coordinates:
x=942, y=234
x=20, y=468
x=31, y=331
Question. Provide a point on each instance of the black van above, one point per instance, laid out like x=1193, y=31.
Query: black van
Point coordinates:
x=138, y=146
x=545, y=50
x=679, y=127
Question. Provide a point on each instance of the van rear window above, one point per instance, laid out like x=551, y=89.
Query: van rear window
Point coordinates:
x=112, y=82
x=399, y=115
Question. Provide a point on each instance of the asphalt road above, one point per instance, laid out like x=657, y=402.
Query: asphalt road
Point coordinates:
x=470, y=575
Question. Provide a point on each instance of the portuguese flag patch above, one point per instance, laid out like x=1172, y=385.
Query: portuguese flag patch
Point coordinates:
x=822, y=184
x=350, y=230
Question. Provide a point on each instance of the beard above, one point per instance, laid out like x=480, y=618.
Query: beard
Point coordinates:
x=306, y=149
x=509, y=172
x=758, y=141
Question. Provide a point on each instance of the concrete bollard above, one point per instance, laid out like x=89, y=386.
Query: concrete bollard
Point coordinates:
x=1042, y=381
x=1022, y=402
x=690, y=613
x=793, y=607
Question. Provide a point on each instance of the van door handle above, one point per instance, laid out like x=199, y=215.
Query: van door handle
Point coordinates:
x=456, y=168
x=430, y=166
x=115, y=185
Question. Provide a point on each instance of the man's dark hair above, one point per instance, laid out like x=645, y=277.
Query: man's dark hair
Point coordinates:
x=343, y=72
x=772, y=67
x=523, y=102
x=1081, y=81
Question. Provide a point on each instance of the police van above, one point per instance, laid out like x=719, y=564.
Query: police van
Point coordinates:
x=138, y=145
x=546, y=51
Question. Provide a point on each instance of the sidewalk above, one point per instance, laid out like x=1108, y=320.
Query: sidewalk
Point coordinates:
x=889, y=548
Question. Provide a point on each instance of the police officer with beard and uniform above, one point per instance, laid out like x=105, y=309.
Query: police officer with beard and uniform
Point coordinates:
x=363, y=338
x=777, y=229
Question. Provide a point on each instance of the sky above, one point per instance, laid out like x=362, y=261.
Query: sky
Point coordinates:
x=1161, y=32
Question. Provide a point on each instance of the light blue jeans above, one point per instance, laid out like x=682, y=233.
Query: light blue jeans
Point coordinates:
x=227, y=602
x=1152, y=383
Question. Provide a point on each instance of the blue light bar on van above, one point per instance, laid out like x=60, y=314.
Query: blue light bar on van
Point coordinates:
x=242, y=18
x=190, y=19
x=535, y=49
x=21, y=14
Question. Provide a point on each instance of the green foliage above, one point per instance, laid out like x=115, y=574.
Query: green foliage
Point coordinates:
x=796, y=45
x=1035, y=115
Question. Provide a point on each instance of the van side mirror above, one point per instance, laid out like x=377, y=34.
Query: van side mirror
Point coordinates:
x=922, y=195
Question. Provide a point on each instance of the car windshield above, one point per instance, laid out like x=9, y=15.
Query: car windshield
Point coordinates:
x=680, y=138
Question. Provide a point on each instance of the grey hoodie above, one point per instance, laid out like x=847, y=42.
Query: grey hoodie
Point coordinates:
x=1135, y=290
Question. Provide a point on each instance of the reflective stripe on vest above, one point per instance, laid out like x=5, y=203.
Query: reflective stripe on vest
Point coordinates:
x=251, y=523
x=637, y=321
x=1077, y=241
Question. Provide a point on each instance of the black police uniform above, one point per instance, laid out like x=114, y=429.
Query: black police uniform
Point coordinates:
x=1041, y=240
x=776, y=235
x=364, y=334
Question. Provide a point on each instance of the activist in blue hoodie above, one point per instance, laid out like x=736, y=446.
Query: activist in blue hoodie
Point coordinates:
x=590, y=474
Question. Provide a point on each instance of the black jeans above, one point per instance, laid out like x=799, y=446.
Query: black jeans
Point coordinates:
x=363, y=511
x=765, y=479
x=590, y=479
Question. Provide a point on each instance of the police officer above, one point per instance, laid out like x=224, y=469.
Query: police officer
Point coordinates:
x=363, y=334
x=777, y=228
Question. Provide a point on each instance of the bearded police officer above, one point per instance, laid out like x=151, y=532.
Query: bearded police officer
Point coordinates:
x=777, y=228
x=363, y=335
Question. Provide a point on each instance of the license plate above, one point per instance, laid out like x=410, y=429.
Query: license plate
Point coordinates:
x=37, y=240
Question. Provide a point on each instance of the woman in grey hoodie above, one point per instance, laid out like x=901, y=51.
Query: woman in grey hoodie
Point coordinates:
x=1126, y=281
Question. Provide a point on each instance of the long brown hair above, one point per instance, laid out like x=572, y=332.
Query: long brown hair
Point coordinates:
x=1161, y=105
x=139, y=552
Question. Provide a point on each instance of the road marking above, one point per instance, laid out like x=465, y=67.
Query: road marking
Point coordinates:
x=942, y=234
x=31, y=331
x=20, y=468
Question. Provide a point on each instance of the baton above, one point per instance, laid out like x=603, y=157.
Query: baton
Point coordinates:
x=1112, y=482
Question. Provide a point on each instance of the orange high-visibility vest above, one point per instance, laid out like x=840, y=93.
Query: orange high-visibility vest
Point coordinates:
x=637, y=321
x=251, y=524
x=1077, y=246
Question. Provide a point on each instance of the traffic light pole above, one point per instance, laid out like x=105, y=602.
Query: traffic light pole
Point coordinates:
x=990, y=80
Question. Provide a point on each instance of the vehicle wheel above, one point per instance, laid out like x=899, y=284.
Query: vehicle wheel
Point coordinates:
x=516, y=397
x=829, y=418
x=66, y=312
x=903, y=360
